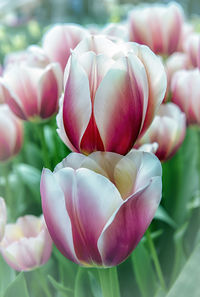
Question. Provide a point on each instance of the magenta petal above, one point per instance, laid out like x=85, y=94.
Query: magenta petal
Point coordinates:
x=127, y=226
x=56, y=216
x=90, y=200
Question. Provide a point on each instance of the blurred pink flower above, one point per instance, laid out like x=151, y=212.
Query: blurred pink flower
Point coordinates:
x=167, y=130
x=34, y=91
x=26, y=244
x=3, y=217
x=185, y=88
x=192, y=48
x=11, y=133
x=159, y=26
x=60, y=39
x=98, y=207
x=111, y=95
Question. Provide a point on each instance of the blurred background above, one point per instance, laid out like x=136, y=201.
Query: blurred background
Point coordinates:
x=23, y=22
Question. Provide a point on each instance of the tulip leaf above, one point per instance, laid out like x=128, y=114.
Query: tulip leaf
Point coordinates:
x=60, y=287
x=82, y=284
x=143, y=270
x=7, y=275
x=187, y=283
x=162, y=215
x=17, y=288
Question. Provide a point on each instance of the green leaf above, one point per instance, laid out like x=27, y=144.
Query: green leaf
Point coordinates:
x=187, y=284
x=60, y=287
x=17, y=287
x=7, y=275
x=82, y=284
x=143, y=270
x=162, y=215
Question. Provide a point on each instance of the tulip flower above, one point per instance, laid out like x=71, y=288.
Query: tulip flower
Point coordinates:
x=35, y=91
x=185, y=88
x=111, y=95
x=11, y=133
x=59, y=41
x=4, y=91
x=3, y=217
x=158, y=26
x=175, y=62
x=167, y=130
x=98, y=207
x=26, y=244
x=192, y=48
x=116, y=32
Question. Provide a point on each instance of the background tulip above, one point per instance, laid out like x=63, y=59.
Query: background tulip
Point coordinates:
x=158, y=26
x=11, y=133
x=108, y=101
x=26, y=244
x=192, y=48
x=185, y=88
x=59, y=41
x=123, y=193
x=167, y=130
x=3, y=217
x=35, y=90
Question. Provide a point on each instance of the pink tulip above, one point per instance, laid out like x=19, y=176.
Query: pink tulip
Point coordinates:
x=192, y=48
x=175, y=62
x=158, y=26
x=167, y=130
x=11, y=133
x=98, y=207
x=185, y=88
x=111, y=95
x=33, y=56
x=35, y=91
x=116, y=32
x=4, y=91
x=59, y=41
x=3, y=217
x=26, y=244
x=187, y=29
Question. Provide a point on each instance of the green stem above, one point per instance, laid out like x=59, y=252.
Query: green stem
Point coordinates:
x=109, y=282
x=155, y=259
x=44, y=147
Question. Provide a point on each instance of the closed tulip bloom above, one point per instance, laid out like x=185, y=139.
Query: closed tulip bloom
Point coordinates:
x=98, y=207
x=35, y=90
x=167, y=130
x=11, y=133
x=26, y=244
x=3, y=217
x=60, y=39
x=158, y=26
x=192, y=48
x=109, y=99
x=185, y=88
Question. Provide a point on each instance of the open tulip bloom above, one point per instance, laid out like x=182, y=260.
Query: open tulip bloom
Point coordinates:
x=111, y=94
x=98, y=207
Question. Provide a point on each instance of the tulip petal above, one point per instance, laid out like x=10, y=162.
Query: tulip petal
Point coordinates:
x=53, y=204
x=77, y=107
x=84, y=191
x=133, y=217
x=120, y=108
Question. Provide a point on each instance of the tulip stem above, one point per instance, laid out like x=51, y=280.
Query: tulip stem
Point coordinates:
x=155, y=259
x=109, y=282
x=44, y=147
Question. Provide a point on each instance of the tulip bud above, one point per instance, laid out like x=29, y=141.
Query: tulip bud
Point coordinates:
x=35, y=90
x=11, y=133
x=59, y=41
x=98, y=207
x=192, y=48
x=3, y=217
x=167, y=130
x=185, y=88
x=111, y=95
x=158, y=26
x=26, y=244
